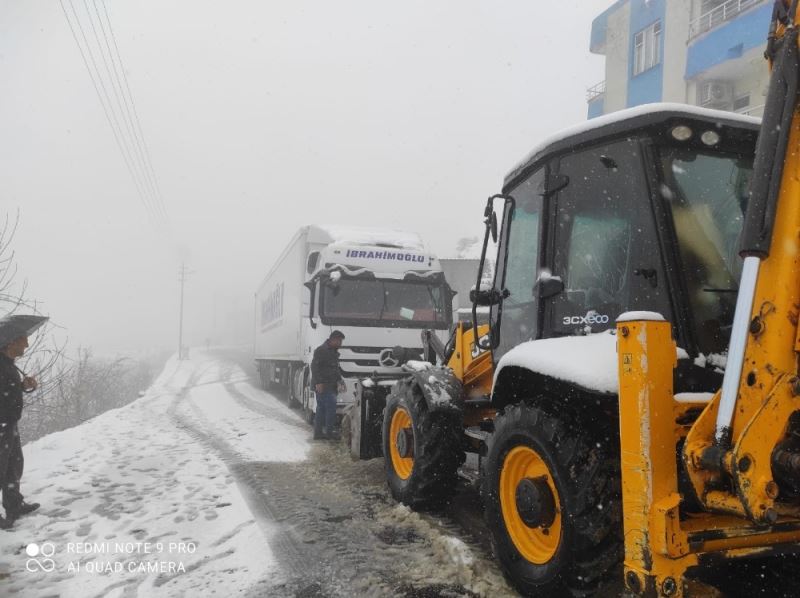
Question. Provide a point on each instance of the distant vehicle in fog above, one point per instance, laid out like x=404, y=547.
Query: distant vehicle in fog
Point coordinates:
x=381, y=288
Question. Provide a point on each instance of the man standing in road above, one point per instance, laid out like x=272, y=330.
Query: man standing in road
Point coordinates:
x=326, y=379
x=12, y=384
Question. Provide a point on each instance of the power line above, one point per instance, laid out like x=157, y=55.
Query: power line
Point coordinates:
x=129, y=108
x=105, y=108
x=137, y=122
x=125, y=138
x=116, y=88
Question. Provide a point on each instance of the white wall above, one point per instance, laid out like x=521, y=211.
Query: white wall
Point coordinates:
x=617, y=52
x=754, y=78
x=676, y=32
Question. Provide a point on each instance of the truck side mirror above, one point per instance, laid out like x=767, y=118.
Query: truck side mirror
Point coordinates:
x=311, y=285
x=311, y=263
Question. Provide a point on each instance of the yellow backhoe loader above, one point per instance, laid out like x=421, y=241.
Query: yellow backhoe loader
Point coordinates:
x=634, y=398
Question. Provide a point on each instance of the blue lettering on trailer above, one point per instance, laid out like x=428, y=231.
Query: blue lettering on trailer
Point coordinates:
x=272, y=306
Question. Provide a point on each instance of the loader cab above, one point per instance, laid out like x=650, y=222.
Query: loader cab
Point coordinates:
x=641, y=211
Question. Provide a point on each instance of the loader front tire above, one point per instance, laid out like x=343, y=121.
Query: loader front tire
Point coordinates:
x=422, y=450
x=552, y=503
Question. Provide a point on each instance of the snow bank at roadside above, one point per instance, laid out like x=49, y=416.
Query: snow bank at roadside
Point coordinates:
x=129, y=501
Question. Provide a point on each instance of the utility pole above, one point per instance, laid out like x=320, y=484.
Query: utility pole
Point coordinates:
x=183, y=273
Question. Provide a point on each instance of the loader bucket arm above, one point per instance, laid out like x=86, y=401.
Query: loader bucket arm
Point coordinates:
x=742, y=454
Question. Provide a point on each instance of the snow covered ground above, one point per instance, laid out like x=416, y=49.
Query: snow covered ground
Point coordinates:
x=129, y=499
x=209, y=486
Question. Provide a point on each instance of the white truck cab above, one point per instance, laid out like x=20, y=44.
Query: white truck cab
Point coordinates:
x=381, y=288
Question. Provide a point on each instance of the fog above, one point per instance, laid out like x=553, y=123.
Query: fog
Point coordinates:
x=261, y=117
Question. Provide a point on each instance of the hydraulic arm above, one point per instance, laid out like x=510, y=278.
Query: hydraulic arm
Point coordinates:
x=742, y=454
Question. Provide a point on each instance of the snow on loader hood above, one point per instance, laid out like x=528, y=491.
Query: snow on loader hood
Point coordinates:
x=589, y=361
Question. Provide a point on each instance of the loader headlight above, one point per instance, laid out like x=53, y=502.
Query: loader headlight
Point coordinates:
x=710, y=138
x=682, y=133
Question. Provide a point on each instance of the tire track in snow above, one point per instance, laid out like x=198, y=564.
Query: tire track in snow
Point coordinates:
x=333, y=527
x=264, y=409
x=287, y=549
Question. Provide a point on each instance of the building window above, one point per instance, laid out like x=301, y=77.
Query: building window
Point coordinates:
x=741, y=103
x=647, y=48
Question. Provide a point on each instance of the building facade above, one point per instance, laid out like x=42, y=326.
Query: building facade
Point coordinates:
x=703, y=52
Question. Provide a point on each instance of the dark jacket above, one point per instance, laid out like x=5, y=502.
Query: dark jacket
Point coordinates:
x=325, y=367
x=10, y=391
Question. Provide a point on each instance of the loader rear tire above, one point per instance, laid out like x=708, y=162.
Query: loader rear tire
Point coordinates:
x=552, y=503
x=424, y=471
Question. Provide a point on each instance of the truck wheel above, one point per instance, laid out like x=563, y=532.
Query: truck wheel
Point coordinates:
x=308, y=414
x=552, y=503
x=422, y=450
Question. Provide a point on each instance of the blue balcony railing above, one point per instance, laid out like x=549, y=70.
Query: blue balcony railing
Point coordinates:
x=719, y=15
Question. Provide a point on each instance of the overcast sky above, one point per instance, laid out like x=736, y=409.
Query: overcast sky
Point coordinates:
x=260, y=117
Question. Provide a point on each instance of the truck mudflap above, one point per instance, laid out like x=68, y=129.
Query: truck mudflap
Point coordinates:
x=443, y=392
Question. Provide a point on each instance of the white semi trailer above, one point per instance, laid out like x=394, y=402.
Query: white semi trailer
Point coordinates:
x=381, y=288
x=461, y=275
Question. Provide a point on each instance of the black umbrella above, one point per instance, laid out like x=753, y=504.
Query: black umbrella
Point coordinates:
x=14, y=327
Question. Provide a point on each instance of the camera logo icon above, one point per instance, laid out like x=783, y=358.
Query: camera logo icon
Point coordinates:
x=40, y=557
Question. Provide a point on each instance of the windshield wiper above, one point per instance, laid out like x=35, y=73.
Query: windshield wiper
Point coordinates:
x=437, y=308
x=721, y=290
x=383, y=305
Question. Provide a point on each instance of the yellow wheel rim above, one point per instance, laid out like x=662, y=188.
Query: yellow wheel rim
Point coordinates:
x=401, y=420
x=536, y=544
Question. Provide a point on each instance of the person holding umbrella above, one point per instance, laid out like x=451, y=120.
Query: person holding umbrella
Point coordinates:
x=14, y=333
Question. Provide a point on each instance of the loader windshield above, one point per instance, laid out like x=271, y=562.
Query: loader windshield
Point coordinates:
x=707, y=195
x=389, y=303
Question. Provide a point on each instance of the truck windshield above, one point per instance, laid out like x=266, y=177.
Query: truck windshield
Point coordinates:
x=393, y=303
x=707, y=195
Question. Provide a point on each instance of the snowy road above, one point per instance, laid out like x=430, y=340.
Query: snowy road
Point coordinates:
x=209, y=486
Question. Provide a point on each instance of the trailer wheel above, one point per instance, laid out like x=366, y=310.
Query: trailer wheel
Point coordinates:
x=552, y=503
x=422, y=450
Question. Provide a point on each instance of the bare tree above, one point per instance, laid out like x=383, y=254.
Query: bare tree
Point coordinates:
x=71, y=389
x=43, y=354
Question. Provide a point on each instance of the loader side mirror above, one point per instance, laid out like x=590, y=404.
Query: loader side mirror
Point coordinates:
x=487, y=297
x=549, y=286
x=493, y=226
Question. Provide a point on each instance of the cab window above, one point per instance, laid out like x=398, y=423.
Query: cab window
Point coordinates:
x=707, y=194
x=519, y=266
x=596, y=220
